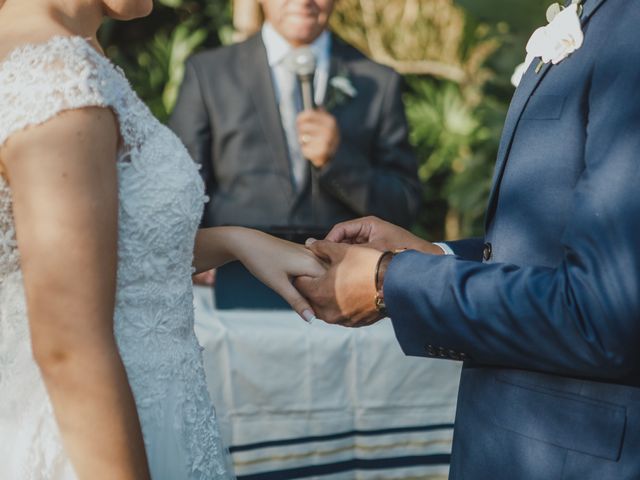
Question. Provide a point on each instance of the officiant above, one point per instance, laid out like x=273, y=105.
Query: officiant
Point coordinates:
x=274, y=158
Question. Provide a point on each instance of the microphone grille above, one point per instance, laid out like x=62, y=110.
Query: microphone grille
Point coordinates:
x=301, y=61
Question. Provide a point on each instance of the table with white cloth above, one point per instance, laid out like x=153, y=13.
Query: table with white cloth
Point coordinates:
x=321, y=401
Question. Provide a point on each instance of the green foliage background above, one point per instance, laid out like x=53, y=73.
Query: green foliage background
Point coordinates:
x=455, y=120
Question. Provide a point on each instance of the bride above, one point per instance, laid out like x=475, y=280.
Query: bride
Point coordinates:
x=99, y=209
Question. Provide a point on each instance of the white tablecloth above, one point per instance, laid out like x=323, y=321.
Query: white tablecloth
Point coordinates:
x=321, y=401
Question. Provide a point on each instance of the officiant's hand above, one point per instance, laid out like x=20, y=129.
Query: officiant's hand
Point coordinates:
x=346, y=293
x=375, y=233
x=319, y=136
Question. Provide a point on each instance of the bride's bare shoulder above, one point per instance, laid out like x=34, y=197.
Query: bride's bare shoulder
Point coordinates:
x=13, y=37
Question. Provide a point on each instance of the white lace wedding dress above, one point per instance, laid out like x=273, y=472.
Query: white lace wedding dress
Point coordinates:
x=161, y=200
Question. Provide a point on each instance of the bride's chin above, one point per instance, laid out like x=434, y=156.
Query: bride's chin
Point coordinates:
x=127, y=9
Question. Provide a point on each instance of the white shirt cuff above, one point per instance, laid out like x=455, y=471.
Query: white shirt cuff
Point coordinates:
x=445, y=248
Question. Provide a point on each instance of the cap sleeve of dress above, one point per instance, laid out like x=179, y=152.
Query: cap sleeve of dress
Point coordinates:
x=37, y=82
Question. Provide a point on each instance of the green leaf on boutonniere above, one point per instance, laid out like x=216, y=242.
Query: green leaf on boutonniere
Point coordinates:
x=553, y=10
x=580, y=6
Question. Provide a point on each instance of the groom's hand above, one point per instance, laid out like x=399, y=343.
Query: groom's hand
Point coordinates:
x=381, y=235
x=346, y=293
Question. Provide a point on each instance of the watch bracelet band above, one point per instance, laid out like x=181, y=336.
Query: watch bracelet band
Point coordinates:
x=381, y=269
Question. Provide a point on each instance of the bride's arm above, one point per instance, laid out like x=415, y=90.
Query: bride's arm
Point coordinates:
x=64, y=185
x=273, y=261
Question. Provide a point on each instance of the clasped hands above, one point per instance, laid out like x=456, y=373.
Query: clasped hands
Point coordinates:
x=345, y=294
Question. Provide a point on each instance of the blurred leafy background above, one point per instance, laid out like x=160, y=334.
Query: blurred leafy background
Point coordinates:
x=457, y=58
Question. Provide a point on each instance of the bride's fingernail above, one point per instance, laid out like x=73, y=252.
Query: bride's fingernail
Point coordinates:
x=308, y=316
x=310, y=241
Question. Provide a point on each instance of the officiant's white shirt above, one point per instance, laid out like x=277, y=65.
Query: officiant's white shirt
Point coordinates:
x=278, y=49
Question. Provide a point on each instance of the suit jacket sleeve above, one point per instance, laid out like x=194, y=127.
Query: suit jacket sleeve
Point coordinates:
x=581, y=318
x=388, y=187
x=191, y=122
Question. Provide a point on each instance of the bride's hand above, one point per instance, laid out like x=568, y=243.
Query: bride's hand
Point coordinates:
x=276, y=263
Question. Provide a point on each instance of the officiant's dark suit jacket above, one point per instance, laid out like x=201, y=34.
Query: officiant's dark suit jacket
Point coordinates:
x=228, y=118
x=545, y=310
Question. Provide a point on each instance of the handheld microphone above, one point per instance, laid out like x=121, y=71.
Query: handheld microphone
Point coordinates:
x=303, y=64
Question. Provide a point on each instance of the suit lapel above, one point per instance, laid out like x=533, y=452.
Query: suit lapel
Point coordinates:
x=590, y=6
x=527, y=87
x=341, y=53
x=262, y=91
x=338, y=63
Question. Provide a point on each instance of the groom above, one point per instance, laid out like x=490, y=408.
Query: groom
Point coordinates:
x=545, y=309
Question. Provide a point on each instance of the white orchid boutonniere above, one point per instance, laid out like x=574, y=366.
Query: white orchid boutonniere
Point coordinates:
x=555, y=41
x=340, y=89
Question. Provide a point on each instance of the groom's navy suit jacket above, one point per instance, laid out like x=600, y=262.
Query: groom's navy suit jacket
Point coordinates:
x=545, y=310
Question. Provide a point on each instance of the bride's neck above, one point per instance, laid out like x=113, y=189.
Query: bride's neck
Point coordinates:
x=76, y=17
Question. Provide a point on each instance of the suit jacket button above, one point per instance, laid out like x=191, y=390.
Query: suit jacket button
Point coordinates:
x=453, y=355
x=431, y=351
x=487, y=251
